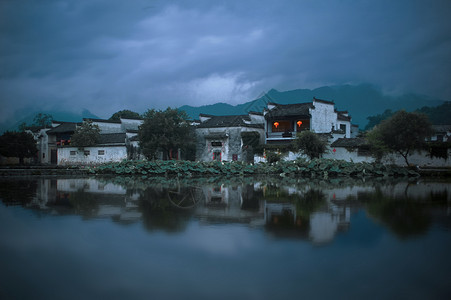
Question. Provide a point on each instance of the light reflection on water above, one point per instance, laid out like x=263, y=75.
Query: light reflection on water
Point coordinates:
x=245, y=238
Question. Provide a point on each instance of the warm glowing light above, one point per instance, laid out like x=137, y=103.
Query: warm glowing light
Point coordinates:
x=299, y=123
x=276, y=124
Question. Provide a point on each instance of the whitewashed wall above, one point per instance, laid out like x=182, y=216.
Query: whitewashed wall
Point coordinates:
x=323, y=117
x=112, y=154
x=343, y=154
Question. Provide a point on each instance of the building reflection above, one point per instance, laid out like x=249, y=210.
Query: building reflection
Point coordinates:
x=313, y=211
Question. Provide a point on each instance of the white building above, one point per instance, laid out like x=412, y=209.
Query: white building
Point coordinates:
x=282, y=122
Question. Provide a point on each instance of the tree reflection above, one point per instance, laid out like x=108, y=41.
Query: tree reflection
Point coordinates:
x=404, y=215
x=167, y=208
x=18, y=191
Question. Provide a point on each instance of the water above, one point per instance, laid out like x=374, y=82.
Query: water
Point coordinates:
x=81, y=238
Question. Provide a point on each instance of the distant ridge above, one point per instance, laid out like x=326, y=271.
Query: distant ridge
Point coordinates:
x=360, y=101
x=65, y=116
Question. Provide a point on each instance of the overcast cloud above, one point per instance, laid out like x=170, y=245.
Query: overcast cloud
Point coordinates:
x=108, y=55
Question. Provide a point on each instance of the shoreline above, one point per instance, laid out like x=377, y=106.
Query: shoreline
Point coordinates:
x=81, y=170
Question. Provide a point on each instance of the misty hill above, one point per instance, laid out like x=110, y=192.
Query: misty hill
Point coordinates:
x=65, y=116
x=360, y=101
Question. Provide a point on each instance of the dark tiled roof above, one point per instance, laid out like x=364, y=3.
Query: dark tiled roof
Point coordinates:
x=102, y=120
x=256, y=113
x=228, y=121
x=349, y=143
x=342, y=117
x=323, y=101
x=112, y=138
x=65, y=127
x=290, y=110
x=441, y=128
x=131, y=130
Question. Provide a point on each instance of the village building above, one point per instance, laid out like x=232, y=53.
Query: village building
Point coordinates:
x=284, y=121
x=442, y=133
x=222, y=138
x=117, y=141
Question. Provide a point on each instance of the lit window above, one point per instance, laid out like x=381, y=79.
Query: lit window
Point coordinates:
x=282, y=126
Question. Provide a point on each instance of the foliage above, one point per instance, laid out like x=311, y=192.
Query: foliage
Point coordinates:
x=40, y=121
x=377, y=119
x=273, y=156
x=43, y=120
x=85, y=135
x=165, y=131
x=250, y=138
x=440, y=115
x=439, y=149
x=310, y=144
x=17, y=144
x=316, y=168
x=403, y=133
x=127, y=114
x=262, y=148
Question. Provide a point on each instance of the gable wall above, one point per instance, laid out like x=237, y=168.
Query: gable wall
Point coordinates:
x=323, y=117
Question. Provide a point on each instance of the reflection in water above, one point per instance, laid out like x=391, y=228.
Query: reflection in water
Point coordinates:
x=241, y=238
x=312, y=210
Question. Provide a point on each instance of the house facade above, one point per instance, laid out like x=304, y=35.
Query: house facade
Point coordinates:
x=117, y=141
x=223, y=138
x=283, y=122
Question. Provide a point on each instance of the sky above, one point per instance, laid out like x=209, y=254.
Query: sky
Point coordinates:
x=109, y=55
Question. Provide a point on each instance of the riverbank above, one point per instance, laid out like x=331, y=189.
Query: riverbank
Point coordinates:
x=317, y=168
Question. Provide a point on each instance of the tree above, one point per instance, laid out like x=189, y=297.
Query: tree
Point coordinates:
x=375, y=120
x=165, y=131
x=127, y=114
x=42, y=120
x=403, y=133
x=310, y=144
x=18, y=144
x=85, y=135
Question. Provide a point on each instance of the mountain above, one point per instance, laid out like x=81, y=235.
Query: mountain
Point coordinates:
x=57, y=115
x=360, y=101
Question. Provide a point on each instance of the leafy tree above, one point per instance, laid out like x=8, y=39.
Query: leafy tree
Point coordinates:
x=86, y=135
x=403, y=133
x=165, y=131
x=43, y=120
x=310, y=144
x=375, y=120
x=18, y=144
x=439, y=115
x=127, y=114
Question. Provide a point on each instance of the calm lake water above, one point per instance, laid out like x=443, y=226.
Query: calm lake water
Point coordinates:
x=123, y=238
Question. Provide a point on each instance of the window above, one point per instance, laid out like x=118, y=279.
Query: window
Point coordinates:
x=73, y=153
x=87, y=152
x=343, y=127
x=101, y=152
x=282, y=126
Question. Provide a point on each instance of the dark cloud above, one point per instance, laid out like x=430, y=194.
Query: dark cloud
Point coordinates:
x=109, y=55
